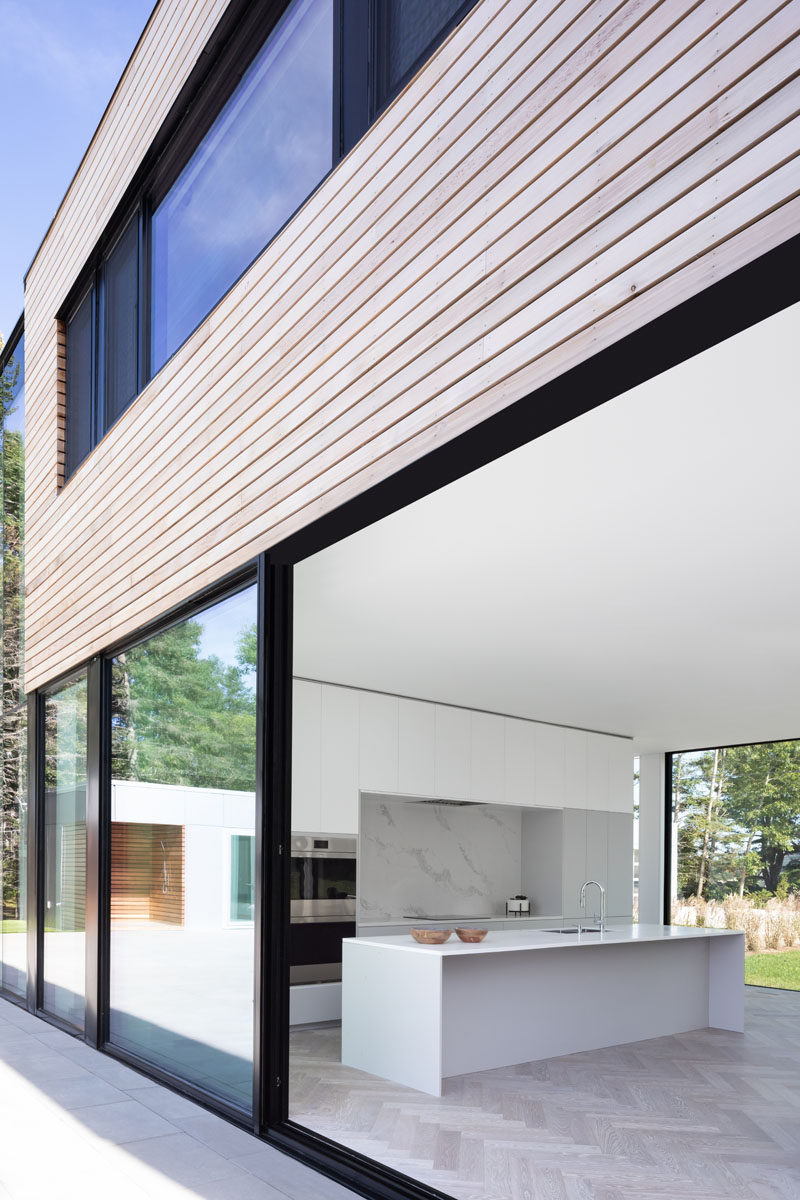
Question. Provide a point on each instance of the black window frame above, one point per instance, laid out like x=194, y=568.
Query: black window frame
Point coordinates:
x=93, y=285
x=357, y=37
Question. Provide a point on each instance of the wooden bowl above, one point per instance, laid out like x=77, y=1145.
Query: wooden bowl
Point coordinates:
x=430, y=937
x=472, y=935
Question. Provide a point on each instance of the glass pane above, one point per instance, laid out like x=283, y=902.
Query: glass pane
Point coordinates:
x=408, y=27
x=183, y=825
x=79, y=384
x=13, y=466
x=13, y=862
x=267, y=150
x=736, y=851
x=122, y=324
x=243, y=875
x=65, y=852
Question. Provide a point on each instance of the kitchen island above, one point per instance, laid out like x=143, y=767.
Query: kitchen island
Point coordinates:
x=419, y=1014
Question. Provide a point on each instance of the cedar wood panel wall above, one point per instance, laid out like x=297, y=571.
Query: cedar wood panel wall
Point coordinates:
x=558, y=174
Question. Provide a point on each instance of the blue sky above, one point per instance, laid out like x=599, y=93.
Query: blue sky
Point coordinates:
x=60, y=60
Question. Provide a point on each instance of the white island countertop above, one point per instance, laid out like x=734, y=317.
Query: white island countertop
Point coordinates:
x=420, y=1014
x=502, y=941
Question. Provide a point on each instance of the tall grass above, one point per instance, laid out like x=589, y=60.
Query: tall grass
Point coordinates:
x=773, y=926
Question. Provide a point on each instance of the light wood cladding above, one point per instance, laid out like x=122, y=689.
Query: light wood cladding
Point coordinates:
x=558, y=174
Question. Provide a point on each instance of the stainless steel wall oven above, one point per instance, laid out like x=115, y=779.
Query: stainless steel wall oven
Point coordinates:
x=323, y=905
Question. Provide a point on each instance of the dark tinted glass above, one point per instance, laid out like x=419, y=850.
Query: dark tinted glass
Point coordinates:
x=406, y=28
x=79, y=384
x=122, y=324
x=266, y=151
x=64, y=967
x=183, y=764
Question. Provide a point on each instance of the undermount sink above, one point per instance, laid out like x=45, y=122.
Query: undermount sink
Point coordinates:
x=575, y=929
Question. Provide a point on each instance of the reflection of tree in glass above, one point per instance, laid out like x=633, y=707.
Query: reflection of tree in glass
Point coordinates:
x=13, y=466
x=65, y=716
x=180, y=718
x=13, y=807
x=14, y=814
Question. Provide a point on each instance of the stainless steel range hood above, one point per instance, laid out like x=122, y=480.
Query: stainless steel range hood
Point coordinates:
x=452, y=803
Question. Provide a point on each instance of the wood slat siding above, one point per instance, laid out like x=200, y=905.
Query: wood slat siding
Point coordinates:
x=559, y=174
x=147, y=873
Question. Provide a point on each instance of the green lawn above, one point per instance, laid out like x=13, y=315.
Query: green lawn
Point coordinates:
x=773, y=970
x=12, y=926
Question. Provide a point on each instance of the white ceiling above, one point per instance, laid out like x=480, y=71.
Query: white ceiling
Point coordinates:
x=635, y=571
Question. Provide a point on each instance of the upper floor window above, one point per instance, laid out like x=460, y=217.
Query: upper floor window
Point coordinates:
x=404, y=32
x=265, y=153
x=104, y=368
x=210, y=205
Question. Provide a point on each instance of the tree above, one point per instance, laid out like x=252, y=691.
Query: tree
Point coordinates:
x=738, y=815
x=763, y=798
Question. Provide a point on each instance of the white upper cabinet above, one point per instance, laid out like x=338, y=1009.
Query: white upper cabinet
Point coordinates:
x=452, y=751
x=378, y=740
x=487, y=758
x=346, y=740
x=575, y=768
x=520, y=759
x=417, y=748
x=339, y=760
x=550, y=766
x=597, y=770
x=620, y=775
x=306, y=778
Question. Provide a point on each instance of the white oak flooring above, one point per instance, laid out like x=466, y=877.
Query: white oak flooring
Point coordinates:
x=708, y=1114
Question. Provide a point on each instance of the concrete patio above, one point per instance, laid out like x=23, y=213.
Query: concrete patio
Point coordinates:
x=76, y=1125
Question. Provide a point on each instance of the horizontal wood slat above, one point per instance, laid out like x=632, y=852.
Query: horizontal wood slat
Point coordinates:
x=556, y=176
x=147, y=873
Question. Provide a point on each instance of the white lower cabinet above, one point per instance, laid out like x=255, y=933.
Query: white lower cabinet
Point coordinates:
x=620, y=864
x=573, y=860
x=597, y=850
x=598, y=845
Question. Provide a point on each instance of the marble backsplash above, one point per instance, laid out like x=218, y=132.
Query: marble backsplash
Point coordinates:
x=427, y=859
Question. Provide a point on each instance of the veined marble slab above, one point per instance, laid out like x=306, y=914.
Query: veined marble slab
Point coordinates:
x=418, y=858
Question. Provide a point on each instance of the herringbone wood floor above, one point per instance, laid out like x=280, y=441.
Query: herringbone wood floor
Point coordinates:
x=712, y=1115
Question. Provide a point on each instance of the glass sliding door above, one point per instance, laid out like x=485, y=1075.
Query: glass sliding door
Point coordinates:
x=64, y=890
x=13, y=800
x=13, y=860
x=182, y=849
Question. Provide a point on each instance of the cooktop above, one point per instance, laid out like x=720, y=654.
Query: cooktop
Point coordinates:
x=446, y=917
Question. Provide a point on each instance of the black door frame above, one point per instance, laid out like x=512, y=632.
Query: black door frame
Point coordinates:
x=747, y=296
